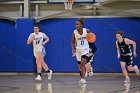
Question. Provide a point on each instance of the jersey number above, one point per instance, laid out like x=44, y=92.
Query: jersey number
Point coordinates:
x=37, y=42
x=82, y=42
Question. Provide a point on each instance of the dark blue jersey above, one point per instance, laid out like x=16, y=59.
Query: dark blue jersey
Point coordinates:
x=92, y=47
x=124, y=48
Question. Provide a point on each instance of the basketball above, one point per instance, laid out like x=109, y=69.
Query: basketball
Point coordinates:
x=91, y=37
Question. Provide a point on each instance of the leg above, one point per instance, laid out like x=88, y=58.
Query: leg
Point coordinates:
x=44, y=65
x=125, y=73
x=136, y=69
x=83, y=68
x=78, y=57
x=79, y=65
x=38, y=62
x=123, y=66
x=88, y=67
x=49, y=72
x=130, y=68
x=133, y=68
x=39, y=68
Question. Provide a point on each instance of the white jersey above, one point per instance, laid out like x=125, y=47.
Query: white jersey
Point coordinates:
x=37, y=42
x=81, y=42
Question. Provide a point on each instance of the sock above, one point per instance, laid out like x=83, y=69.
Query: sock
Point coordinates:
x=80, y=74
x=48, y=71
x=39, y=74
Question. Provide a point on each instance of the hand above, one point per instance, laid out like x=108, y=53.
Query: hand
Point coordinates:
x=43, y=43
x=32, y=37
x=135, y=54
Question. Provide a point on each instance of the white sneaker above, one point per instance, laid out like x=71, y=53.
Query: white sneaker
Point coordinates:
x=136, y=70
x=82, y=81
x=49, y=74
x=38, y=78
x=127, y=80
x=91, y=73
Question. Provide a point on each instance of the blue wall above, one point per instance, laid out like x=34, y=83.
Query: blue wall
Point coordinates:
x=25, y=59
x=7, y=46
x=59, y=57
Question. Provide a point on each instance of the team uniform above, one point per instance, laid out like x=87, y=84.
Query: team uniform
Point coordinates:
x=93, y=48
x=125, y=53
x=37, y=43
x=38, y=47
x=127, y=57
x=82, y=46
x=91, y=59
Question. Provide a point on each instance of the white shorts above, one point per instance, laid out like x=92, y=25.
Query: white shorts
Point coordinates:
x=80, y=52
x=42, y=50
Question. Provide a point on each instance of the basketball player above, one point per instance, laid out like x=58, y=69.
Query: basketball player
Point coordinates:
x=89, y=69
x=39, y=51
x=125, y=54
x=82, y=47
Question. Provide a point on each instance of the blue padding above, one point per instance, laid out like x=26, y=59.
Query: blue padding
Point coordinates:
x=25, y=61
x=59, y=31
x=7, y=46
x=17, y=56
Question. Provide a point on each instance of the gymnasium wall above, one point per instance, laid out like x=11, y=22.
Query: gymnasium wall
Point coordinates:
x=7, y=46
x=59, y=57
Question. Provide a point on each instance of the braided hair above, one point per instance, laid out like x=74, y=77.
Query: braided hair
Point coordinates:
x=81, y=20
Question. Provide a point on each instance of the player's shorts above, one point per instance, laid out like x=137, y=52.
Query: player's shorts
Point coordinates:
x=42, y=50
x=81, y=52
x=91, y=59
x=128, y=59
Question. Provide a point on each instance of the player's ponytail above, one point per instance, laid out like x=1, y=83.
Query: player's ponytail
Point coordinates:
x=81, y=20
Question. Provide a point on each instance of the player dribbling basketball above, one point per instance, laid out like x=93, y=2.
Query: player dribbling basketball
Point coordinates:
x=82, y=47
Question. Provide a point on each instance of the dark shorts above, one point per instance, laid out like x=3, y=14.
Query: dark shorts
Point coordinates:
x=128, y=59
x=91, y=59
x=84, y=56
